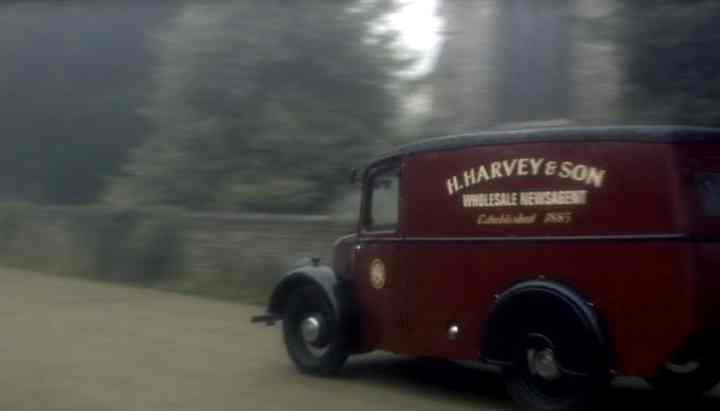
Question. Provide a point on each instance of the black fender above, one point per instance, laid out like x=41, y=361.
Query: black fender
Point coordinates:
x=318, y=275
x=537, y=303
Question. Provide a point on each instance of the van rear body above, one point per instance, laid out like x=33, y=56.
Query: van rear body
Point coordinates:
x=552, y=253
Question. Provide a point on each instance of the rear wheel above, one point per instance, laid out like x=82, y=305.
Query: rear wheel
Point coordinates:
x=315, y=340
x=538, y=380
x=689, y=374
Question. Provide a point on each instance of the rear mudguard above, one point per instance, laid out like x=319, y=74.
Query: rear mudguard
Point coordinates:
x=525, y=302
x=318, y=275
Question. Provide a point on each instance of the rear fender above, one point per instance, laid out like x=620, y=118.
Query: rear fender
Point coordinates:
x=531, y=303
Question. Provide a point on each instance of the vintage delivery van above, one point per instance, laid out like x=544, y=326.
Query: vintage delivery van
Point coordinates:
x=564, y=256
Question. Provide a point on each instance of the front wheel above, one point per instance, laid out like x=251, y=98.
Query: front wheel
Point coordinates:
x=314, y=337
x=538, y=381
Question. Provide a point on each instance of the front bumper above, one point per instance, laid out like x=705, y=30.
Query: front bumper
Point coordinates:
x=268, y=319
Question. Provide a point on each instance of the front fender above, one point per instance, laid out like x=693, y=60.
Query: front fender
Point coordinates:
x=320, y=275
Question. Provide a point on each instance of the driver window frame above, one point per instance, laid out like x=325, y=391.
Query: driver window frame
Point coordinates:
x=385, y=168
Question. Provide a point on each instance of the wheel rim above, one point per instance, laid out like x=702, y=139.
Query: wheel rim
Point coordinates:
x=543, y=371
x=543, y=363
x=683, y=368
x=311, y=329
x=312, y=332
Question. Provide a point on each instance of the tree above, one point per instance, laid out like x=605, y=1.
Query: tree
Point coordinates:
x=670, y=60
x=263, y=105
x=68, y=116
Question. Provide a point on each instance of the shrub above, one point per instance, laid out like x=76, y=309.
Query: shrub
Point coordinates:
x=134, y=245
x=12, y=217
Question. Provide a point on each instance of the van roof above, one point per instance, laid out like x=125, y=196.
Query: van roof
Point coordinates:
x=637, y=134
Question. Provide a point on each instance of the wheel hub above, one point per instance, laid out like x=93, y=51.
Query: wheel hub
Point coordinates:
x=311, y=328
x=543, y=364
x=685, y=368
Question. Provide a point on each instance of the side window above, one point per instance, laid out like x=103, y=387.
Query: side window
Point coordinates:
x=708, y=188
x=383, y=200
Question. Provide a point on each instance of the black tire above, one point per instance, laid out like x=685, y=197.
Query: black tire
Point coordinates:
x=687, y=377
x=328, y=354
x=581, y=388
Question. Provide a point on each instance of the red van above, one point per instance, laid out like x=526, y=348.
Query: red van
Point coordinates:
x=564, y=256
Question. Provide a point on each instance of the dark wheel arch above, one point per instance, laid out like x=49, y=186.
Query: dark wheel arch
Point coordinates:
x=320, y=276
x=537, y=301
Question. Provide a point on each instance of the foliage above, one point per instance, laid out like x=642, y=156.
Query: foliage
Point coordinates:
x=70, y=93
x=12, y=217
x=671, y=60
x=263, y=105
x=133, y=245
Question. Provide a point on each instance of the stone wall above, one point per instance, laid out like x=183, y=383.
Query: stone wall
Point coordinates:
x=221, y=255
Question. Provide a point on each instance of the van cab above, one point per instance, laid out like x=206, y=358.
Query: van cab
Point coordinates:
x=565, y=256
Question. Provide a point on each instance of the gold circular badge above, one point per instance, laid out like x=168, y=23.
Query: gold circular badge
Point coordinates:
x=377, y=274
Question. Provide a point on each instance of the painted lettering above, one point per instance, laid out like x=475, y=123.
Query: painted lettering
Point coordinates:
x=522, y=169
x=453, y=185
x=579, y=172
x=495, y=170
x=558, y=218
x=495, y=219
x=545, y=198
x=596, y=177
x=483, y=200
x=509, y=166
x=469, y=177
x=535, y=164
x=550, y=168
x=565, y=169
x=482, y=174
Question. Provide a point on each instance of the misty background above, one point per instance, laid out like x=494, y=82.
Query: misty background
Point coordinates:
x=137, y=138
x=265, y=106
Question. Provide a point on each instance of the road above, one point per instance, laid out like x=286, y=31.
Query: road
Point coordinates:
x=70, y=344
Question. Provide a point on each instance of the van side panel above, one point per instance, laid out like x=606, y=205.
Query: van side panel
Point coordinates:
x=694, y=159
x=707, y=312
x=508, y=190
x=641, y=289
x=598, y=217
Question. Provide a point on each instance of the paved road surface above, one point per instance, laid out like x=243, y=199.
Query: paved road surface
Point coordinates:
x=68, y=344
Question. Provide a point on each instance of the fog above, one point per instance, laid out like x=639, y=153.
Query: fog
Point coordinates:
x=196, y=105
x=206, y=147
x=72, y=78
